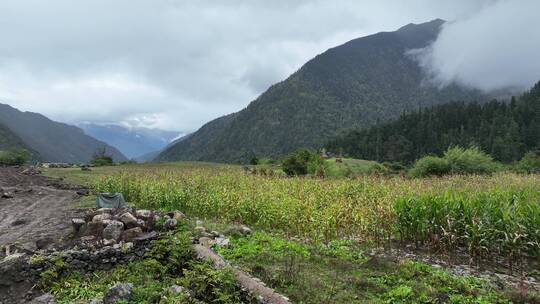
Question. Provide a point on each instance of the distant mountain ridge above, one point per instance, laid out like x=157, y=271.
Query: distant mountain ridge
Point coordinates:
x=132, y=142
x=53, y=141
x=355, y=85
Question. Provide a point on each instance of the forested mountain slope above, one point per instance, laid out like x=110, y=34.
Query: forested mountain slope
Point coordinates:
x=505, y=130
x=54, y=141
x=357, y=84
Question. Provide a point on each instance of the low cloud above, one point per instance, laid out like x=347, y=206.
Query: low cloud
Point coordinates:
x=496, y=48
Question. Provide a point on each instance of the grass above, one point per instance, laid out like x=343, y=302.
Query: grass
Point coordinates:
x=324, y=225
x=339, y=273
x=350, y=167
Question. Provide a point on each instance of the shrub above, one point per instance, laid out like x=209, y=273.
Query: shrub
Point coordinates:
x=430, y=165
x=530, y=163
x=469, y=161
x=14, y=157
x=302, y=162
x=456, y=160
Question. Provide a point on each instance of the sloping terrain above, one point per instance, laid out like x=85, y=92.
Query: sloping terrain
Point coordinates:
x=8, y=139
x=354, y=85
x=54, y=141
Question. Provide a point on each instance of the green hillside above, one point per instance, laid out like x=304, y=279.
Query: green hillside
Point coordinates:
x=354, y=85
x=505, y=130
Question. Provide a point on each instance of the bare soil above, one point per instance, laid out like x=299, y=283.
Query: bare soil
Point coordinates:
x=37, y=212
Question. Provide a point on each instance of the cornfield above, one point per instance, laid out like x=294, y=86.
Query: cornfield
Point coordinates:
x=488, y=215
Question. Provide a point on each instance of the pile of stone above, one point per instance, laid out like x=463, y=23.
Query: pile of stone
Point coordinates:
x=113, y=225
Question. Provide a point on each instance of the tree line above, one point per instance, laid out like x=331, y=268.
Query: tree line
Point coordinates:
x=505, y=130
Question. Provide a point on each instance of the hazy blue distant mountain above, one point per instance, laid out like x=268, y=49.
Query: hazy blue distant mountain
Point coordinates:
x=53, y=141
x=132, y=142
x=355, y=85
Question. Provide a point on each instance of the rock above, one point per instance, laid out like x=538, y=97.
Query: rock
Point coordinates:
x=18, y=222
x=206, y=242
x=79, y=226
x=198, y=223
x=221, y=241
x=96, y=301
x=117, y=293
x=7, y=195
x=132, y=234
x=83, y=192
x=170, y=224
x=199, y=229
x=44, y=299
x=94, y=228
x=104, y=210
x=245, y=230
x=141, y=223
x=101, y=217
x=109, y=242
x=144, y=214
x=178, y=215
x=129, y=220
x=85, y=168
x=214, y=233
x=44, y=243
x=176, y=289
x=113, y=231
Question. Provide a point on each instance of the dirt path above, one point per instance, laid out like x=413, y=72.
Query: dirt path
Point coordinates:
x=37, y=213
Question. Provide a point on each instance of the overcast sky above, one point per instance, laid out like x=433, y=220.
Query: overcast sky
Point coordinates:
x=178, y=64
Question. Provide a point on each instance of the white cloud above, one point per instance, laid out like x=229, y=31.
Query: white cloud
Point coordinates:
x=176, y=64
x=496, y=48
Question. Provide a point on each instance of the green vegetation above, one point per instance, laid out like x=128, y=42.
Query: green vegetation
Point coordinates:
x=372, y=209
x=350, y=167
x=339, y=273
x=530, y=163
x=504, y=130
x=169, y=262
x=318, y=229
x=14, y=157
x=456, y=160
x=302, y=162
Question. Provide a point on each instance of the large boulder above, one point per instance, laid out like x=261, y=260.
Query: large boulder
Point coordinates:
x=113, y=231
x=144, y=214
x=129, y=220
x=119, y=292
x=101, y=217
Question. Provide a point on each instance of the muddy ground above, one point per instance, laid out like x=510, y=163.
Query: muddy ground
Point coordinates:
x=35, y=211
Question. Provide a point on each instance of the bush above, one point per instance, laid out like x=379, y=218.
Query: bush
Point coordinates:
x=14, y=157
x=456, y=160
x=302, y=162
x=530, y=163
x=430, y=165
x=469, y=161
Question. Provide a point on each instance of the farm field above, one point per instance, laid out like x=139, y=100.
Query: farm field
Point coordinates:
x=355, y=225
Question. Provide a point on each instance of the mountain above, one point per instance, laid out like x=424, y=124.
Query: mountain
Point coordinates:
x=9, y=140
x=150, y=156
x=354, y=85
x=53, y=141
x=506, y=130
x=132, y=142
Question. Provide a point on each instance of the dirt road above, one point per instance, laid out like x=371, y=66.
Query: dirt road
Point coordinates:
x=35, y=212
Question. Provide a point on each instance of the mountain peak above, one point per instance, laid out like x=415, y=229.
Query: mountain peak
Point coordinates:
x=433, y=24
